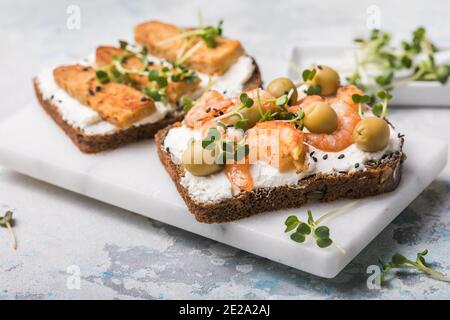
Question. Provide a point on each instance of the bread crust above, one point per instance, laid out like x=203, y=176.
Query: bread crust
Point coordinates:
x=101, y=142
x=377, y=179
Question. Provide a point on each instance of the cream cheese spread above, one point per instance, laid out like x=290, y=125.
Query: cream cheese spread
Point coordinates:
x=217, y=186
x=87, y=119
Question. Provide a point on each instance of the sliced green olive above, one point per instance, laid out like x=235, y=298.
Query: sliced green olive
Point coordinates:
x=280, y=86
x=371, y=134
x=327, y=79
x=320, y=117
x=200, y=161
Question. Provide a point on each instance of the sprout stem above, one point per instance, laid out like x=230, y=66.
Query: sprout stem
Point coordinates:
x=13, y=237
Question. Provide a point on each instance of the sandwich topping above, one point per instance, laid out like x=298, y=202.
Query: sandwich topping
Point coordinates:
x=130, y=86
x=267, y=138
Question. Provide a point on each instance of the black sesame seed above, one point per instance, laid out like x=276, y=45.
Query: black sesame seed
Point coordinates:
x=98, y=88
x=342, y=171
x=52, y=97
x=341, y=156
x=400, y=135
x=325, y=157
x=225, y=91
x=144, y=99
x=357, y=165
x=59, y=101
x=311, y=154
x=319, y=67
x=208, y=110
x=168, y=150
x=315, y=159
x=91, y=92
x=221, y=113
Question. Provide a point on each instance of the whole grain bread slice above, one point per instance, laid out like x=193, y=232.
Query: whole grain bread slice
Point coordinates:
x=380, y=177
x=93, y=143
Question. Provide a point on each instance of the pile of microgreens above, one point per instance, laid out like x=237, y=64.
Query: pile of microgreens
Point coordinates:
x=415, y=56
x=7, y=222
x=159, y=79
x=399, y=261
x=320, y=234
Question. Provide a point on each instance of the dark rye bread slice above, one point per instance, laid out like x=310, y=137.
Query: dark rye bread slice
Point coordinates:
x=378, y=178
x=100, y=142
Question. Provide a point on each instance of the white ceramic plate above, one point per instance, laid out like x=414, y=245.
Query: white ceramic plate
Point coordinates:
x=415, y=94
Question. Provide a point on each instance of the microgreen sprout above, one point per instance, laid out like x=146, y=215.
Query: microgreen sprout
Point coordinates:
x=383, y=60
x=7, y=221
x=186, y=103
x=246, y=101
x=102, y=76
x=228, y=149
x=399, y=261
x=208, y=34
x=308, y=74
x=320, y=233
x=380, y=109
x=158, y=78
x=360, y=100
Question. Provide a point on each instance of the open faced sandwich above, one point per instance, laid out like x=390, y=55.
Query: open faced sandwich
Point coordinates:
x=127, y=93
x=280, y=147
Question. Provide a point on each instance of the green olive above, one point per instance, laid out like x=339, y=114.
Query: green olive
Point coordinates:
x=200, y=161
x=251, y=115
x=371, y=134
x=327, y=78
x=320, y=117
x=279, y=86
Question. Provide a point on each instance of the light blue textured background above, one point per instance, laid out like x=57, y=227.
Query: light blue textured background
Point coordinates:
x=123, y=255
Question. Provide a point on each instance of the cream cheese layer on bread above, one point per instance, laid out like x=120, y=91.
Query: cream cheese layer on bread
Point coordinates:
x=89, y=120
x=217, y=186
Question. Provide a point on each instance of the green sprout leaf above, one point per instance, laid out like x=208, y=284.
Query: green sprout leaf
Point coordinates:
x=304, y=229
x=123, y=44
x=187, y=104
x=282, y=101
x=241, y=124
x=324, y=242
x=7, y=221
x=298, y=237
x=313, y=90
x=360, y=98
x=291, y=223
x=246, y=101
x=102, y=76
x=398, y=259
x=213, y=135
x=308, y=74
x=322, y=232
x=377, y=109
x=155, y=95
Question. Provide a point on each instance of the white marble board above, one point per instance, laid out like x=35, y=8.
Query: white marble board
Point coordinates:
x=133, y=178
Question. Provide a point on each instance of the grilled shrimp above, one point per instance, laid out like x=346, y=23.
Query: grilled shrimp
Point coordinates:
x=277, y=143
x=210, y=105
x=340, y=139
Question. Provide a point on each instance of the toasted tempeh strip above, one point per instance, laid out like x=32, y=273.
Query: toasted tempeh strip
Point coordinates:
x=174, y=91
x=116, y=103
x=212, y=61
